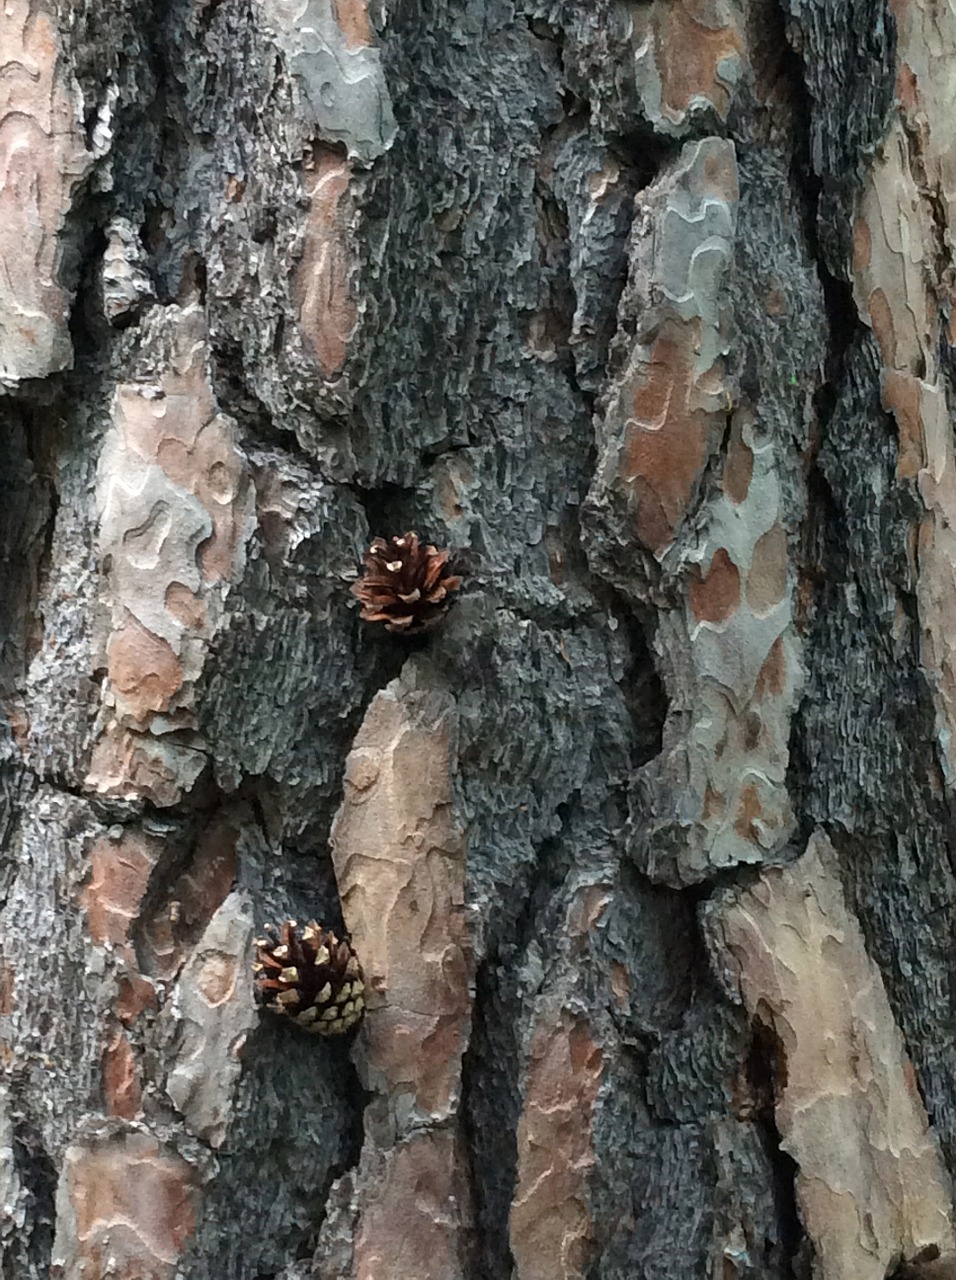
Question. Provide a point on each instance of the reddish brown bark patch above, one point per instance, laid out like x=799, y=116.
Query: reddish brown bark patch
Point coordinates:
x=901, y=396
x=667, y=440
x=409, y=1223
x=144, y=668
x=714, y=803
x=186, y=606
x=772, y=678
x=175, y=514
x=550, y=1220
x=691, y=47
x=400, y=864
x=43, y=157
x=775, y=302
x=122, y=1087
x=883, y=324
x=119, y=873
x=135, y=994
x=714, y=596
x=133, y=766
x=620, y=983
x=748, y=812
x=133, y=1208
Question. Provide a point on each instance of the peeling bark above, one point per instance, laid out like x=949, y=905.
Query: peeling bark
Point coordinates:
x=870, y=1185
x=645, y=311
x=550, y=1224
x=399, y=860
x=44, y=160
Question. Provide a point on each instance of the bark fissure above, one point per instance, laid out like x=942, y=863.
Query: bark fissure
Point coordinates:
x=491, y=1105
x=576, y=291
x=762, y=1072
x=36, y=1172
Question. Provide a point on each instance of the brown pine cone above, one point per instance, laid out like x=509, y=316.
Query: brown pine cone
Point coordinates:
x=309, y=975
x=406, y=585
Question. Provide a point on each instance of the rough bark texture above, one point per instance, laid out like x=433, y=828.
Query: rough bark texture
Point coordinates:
x=646, y=309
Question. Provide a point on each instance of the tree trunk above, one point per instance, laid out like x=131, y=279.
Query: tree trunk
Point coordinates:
x=646, y=848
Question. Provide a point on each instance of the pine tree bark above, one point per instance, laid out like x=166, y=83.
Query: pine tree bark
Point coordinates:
x=644, y=309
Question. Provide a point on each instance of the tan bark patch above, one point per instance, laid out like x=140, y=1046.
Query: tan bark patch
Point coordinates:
x=43, y=159
x=201, y=456
x=352, y=17
x=208, y=1020
x=745, y=665
x=322, y=287
x=671, y=400
x=216, y=979
x=775, y=302
x=721, y=777
x=620, y=983
x=175, y=506
x=550, y=1223
x=739, y=467
x=342, y=95
x=409, y=1220
x=936, y=584
x=589, y=905
x=769, y=571
x=400, y=865
x=908, y=205
x=8, y=1000
x=862, y=245
x=136, y=766
x=871, y=1186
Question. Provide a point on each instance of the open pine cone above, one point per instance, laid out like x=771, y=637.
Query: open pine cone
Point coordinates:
x=311, y=976
x=406, y=585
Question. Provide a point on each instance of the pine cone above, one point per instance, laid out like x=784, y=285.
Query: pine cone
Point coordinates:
x=406, y=585
x=311, y=976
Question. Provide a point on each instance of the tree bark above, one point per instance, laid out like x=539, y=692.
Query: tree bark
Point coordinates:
x=644, y=309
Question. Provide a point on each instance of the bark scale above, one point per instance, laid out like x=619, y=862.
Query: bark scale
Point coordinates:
x=646, y=309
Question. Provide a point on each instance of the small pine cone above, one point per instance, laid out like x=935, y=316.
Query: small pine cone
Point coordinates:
x=406, y=585
x=311, y=976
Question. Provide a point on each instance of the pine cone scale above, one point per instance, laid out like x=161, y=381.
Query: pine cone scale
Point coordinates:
x=406, y=585
x=310, y=976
